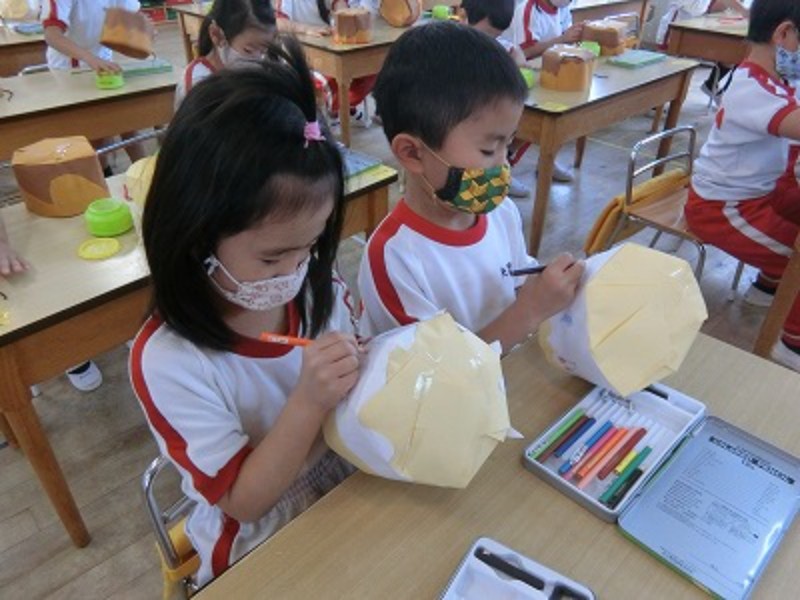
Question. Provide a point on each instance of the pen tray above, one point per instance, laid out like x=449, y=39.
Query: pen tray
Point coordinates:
x=474, y=579
x=666, y=415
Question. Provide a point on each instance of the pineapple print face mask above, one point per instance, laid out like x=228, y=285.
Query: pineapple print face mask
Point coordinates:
x=476, y=191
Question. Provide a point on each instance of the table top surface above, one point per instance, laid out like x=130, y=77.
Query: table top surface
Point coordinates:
x=9, y=37
x=374, y=538
x=383, y=34
x=608, y=81
x=718, y=23
x=60, y=283
x=57, y=90
x=579, y=4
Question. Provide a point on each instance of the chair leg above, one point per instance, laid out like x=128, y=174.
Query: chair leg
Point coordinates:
x=655, y=239
x=580, y=147
x=737, y=277
x=785, y=295
x=701, y=260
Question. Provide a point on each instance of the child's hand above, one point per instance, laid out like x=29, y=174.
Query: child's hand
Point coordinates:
x=11, y=263
x=103, y=66
x=330, y=370
x=573, y=34
x=315, y=31
x=546, y=294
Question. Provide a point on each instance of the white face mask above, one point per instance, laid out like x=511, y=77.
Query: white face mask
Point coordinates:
x=263, y=294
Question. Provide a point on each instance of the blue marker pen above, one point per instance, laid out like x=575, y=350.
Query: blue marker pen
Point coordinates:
x=580, y=452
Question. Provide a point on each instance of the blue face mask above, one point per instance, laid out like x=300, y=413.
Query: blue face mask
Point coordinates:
x=787, y=63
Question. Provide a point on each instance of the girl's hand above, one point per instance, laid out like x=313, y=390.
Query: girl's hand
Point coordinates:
x=573, y=34
x=103, y=66
x=315, y=30
x=330, y=370
x=11, y=263
x=553, y=290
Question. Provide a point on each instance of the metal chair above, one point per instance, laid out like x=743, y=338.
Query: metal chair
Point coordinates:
x=657, y=203
x=179, y=561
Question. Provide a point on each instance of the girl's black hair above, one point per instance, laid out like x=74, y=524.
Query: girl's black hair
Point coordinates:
x=499, y=12
x=437, y=75
x=324, y=11
x=766, y=15
x=235, y=153
x=233, y=17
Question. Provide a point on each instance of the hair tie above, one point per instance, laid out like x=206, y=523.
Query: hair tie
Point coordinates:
x=312, y=133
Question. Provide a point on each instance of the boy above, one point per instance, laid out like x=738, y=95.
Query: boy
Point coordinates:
x=448, y=122
x=538, y=25
x=72, y=30
x=740, y=199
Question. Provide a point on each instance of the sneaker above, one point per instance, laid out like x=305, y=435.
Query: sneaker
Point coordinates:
x=560, y=174
x=755, y=296
x=85, y=377
x=517, y=189
x=716, y=97
x=783, y=355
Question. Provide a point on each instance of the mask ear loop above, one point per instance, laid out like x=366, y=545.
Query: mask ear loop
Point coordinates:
x=452, y=184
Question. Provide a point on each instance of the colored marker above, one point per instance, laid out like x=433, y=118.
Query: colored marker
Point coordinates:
x=652, y=431
x=561, y=439
x=568, y=422
x=591, y=451
x=620, y=481
x=286, y=340
x=580, y=452
x=588, y=472
x=570, y=441
x=623, y=489
x=628, y=443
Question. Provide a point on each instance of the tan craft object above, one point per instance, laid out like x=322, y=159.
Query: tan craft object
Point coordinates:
x=567, y=69
x=59, y=177
x=128, y=33
x=612, y=35
x=401, y=13
x=352, y=26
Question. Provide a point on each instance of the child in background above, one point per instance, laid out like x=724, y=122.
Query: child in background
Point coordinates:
x=740, y=199
x=443, y=247
x=233, y=31
x=313, y=17
x=493, y=17
x=687, y=9
x=240, y=229
x=86, y=376
x=72, y=30
x=538, y=25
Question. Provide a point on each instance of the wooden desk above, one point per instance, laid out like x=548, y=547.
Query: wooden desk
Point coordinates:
x=66, y=310
x=374, y=538
x=61, y=103
x=589, y=10
x=190, y=18
x=551, y=118
x=712, y=37
x=18, y=51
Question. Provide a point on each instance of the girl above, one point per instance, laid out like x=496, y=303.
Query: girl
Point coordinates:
x=744, y=197
x=233, y=31
x=240, y=230
x=313, y=17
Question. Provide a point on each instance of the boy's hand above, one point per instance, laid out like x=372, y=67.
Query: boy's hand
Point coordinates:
x=316, y=31
x=553, y=290
x=103, y=66
x=330, y=370
x=573, y=34
x=11, y=263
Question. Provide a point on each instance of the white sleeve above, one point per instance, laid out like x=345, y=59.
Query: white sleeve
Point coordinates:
x=763, y=115
x=344, y=316
x=565, y=18
x=131, y=5
x=517, y=29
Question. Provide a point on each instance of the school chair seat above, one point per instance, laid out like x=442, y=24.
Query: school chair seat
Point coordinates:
x=785, y=295
x=179, y=560
x=656, y=203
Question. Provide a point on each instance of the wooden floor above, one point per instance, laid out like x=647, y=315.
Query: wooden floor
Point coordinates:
x=103, y=444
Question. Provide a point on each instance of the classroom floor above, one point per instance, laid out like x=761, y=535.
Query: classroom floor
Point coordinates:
x=103, y=444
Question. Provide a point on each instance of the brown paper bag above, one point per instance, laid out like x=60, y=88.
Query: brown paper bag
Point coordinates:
x=59, y=177
x=128, y=33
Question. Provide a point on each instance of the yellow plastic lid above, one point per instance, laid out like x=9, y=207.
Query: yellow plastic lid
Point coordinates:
x=98, y=248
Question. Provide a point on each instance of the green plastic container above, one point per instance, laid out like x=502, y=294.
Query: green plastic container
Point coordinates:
x=529, y=75
x=108, y=217
x=109, y=81
x=592, y=47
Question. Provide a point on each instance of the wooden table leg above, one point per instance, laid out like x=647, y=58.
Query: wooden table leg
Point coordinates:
x=544, y=180
x=672, y=119
x=8, y=433
x=17, y=407
x=580, y=148
x=785, y=297
x=344, y=108
x=187, y=41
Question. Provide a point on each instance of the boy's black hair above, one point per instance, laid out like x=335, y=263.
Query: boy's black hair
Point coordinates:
x=499, y=12
x=766, y=15
x=437, y=75
x=233, y=17
x=235, y=153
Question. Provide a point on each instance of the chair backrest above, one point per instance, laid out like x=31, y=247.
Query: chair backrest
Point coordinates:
x=179, y=560
x=785, y=296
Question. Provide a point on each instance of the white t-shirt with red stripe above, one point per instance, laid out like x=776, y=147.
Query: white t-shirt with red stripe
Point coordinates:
x=412, y=269
x=538, y=21
x=82, y=22
x=307, y=11
x=744, y=156
x=208, y=408
x=195, y=71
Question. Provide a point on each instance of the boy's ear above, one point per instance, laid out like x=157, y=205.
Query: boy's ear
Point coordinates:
x=782, y=32
x=408, y=151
